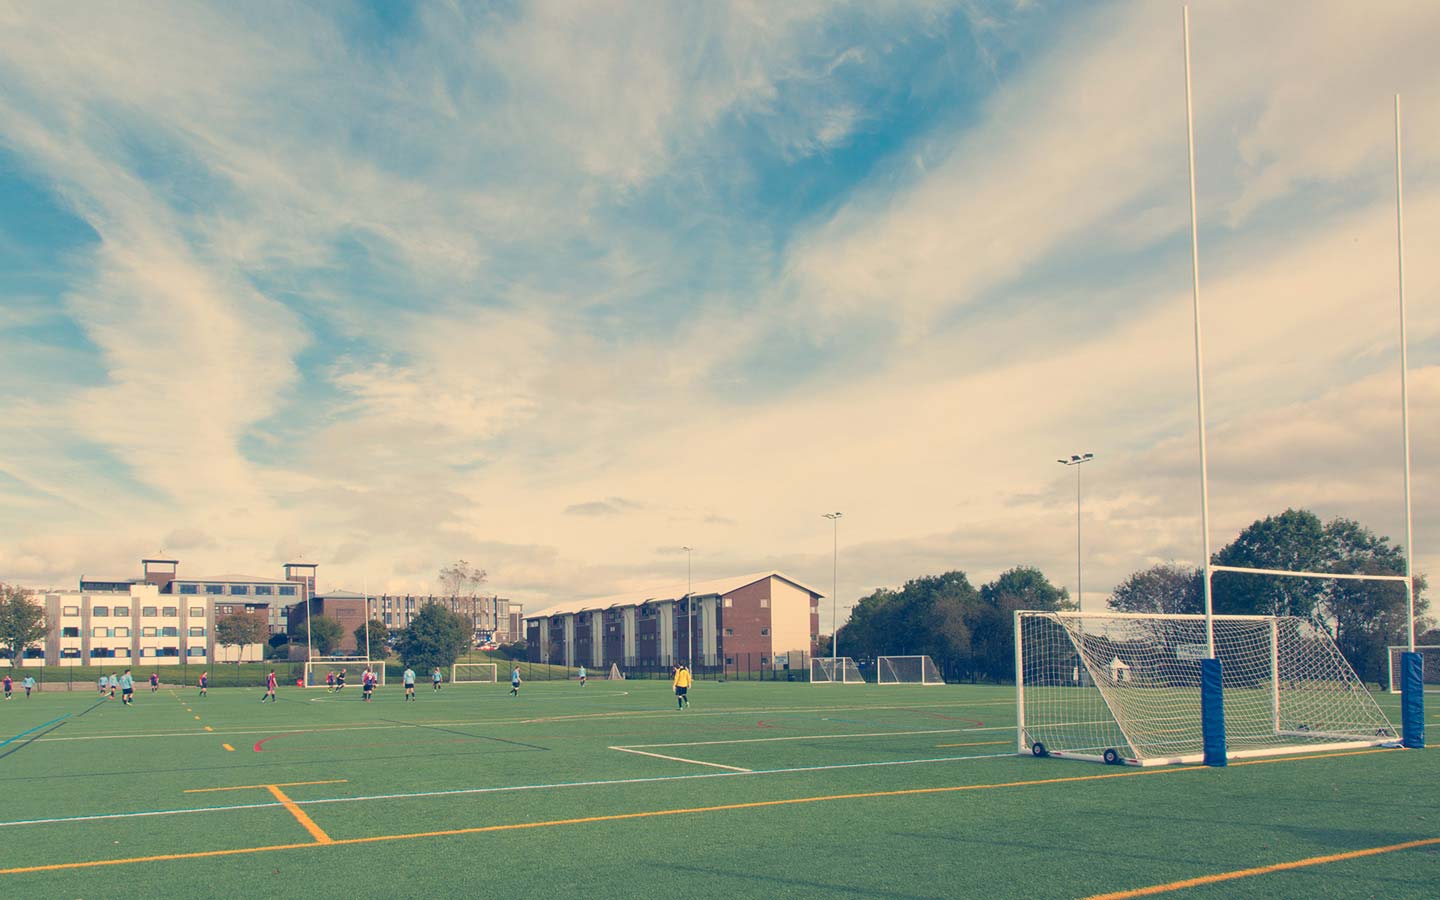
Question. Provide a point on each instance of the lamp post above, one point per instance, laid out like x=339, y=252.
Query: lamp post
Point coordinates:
x=689, y=612
x=1075, y=461
x=834, y=589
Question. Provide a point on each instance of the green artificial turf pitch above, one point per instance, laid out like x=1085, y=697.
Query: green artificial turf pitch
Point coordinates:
x=758, y=790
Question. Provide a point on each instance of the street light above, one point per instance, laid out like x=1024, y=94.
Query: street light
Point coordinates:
x=1076, y=461
x=834, y=591
x=689, y=612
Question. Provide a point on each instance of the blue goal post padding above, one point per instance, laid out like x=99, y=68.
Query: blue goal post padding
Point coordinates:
x=1212, y=712
x=1412, y=701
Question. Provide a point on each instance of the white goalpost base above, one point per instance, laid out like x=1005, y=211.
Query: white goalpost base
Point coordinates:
x=907, y=670
x=318, y=667
x=1429, y=660
x=474, y=673
x=835, y=670
x=615, y=674
x=1125, y=688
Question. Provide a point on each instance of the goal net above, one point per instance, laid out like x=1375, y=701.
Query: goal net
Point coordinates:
x=324, y=673
x=474, y=673
x=835, y=670
x=1125, y=687
x=615, y=673
x=1429, y=666
x=907, y=670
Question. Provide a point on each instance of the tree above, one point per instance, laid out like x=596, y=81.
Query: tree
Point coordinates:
x=1295, y=541
x=1367, y=615
x=436, y=637
x=323, y=631
x=239, y=629
x=1163, y=588
x=22, y=622
x=379, y=635
x=992, y=621
x=461, y=578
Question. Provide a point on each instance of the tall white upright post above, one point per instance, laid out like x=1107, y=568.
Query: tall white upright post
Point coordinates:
x=365, y=584
x=1404, y=386
x=835, y=592
x=1199, y=354
x=689, y=612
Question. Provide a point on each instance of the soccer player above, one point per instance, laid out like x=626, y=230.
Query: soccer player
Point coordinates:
x=682, y=687
x=409, y=679
x=340, y=681
x=435, y=679
x=270, y=688
x=515, y=681
x=330, y=682
x=204, y=684
x=9, y=685
x=115, y=682
x=104, y=683
x=154, y=682
x=127, y=688
x=28, y=684
x=367, y=684
x=582, y=676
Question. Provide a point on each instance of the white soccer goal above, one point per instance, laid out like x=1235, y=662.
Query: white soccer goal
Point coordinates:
x=474, y=673
x=834, y=670
x=1429, y=666
x=1125, y=687
x=318, y=668
x=907, y=670
x=615, y=673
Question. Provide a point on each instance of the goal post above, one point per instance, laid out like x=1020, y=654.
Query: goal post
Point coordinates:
x=1429, y=666
x=474, y=673
x=319, y=669
x=907, y=670
x=834, y=670
x=615, y=674
x=1126, y=687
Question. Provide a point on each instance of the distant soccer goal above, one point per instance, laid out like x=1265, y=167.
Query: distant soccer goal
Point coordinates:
x=321, y=671
x=835, y=670
x=1429, y=666
x=907, y=670
x=615, y=674
x=474, y=673
x=1125, y=688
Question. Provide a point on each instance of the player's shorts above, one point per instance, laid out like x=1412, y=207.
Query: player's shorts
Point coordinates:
x=680, y=691
x=127, y=691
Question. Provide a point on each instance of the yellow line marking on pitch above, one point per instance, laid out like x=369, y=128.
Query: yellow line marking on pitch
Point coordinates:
x=1262, y=870
x=228, y=747
x=203, y=854
x=974, y=744
x=253, y=787
x=305, y=821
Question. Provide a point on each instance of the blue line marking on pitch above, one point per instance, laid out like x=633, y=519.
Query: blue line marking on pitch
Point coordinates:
x=33, y=730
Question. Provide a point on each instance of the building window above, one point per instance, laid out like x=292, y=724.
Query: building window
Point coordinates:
x=240, y=590
x=287, y=590
x=147, y=612
x=170, y=612
x=70, y=611
x=99, y=612
x=197, y=612
x=119, y=632
x=263, y=590
x=189, y=588
x=729, y=660
x=147, y=651
x=101, y=653
x=70, y=653
x=214, y=588
x=764, y=632
x=122, y=610
x=729, y=632
x=72, y=631
x=169, y=651
x=764, y=602
x=195, y=651
x=169, y=631
x=728, y=603
x=99, y=632
x=764, y=660
x=148, y=631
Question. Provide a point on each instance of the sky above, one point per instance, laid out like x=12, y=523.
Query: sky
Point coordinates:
x=561, y=288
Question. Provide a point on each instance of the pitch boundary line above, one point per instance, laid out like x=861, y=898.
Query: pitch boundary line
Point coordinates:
x=697, y=762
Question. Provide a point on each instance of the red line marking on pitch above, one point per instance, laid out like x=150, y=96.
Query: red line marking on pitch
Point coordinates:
x=763, y=725
x=274, y=736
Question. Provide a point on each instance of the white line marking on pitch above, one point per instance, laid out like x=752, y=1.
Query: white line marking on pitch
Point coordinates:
x=679, y=758
x=805, y=737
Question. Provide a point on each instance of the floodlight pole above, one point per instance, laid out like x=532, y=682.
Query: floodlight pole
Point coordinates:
x=365, y=587
x=1199, y=355
x=834, y=590
x=689, y=612
x=1076, y=461
x=1404, y=387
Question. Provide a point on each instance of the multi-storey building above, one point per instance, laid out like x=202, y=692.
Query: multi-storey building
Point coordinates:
x=764, y=619
x=497, y=619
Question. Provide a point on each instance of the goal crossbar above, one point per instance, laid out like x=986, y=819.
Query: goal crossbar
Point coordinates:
x=317, y=667
x=834, y=670
x=907, y=670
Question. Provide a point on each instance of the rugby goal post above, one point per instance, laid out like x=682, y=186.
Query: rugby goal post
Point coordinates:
x=1429, y=666
x=835, y=670
x=907, y=670
x=317, y=668
x=1126, y=687
x=474, y=673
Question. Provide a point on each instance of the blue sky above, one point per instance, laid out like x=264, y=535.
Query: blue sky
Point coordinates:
x=561, y=287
